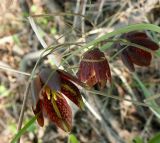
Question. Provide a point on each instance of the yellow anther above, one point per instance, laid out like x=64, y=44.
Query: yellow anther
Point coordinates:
x=48, y=92
x=54, y=95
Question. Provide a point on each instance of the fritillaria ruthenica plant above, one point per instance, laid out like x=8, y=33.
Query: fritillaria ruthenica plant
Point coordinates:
x=50, y=88
x=133, y=55
x=94, y=68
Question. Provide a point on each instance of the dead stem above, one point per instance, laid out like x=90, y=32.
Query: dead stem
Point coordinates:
x=13, y=70
x=83, y=20
x=23, y=107
x=149, y=120
x=118, y=98
x=100, y=9
x=76, y=11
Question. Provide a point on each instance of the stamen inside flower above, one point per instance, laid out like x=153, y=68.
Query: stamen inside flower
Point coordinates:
x=54, y=95
x=54, y=104
x=48, y=93
x=51, y=100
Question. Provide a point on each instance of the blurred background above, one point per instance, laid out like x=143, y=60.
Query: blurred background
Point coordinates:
x=111, y=121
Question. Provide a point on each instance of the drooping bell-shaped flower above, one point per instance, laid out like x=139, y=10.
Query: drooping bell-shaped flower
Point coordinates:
x=50, y=88
x=94, y=68
x=133, y=55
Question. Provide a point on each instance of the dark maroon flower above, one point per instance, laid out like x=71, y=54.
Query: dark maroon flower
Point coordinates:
x=134, y=55
x=94, y=68
x=50, y=86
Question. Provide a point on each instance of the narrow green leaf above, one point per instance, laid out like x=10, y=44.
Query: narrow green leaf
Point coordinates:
x=16, y=39
x=152, y=104
x=72, y=139
x=23, y=130
x=158, y=53
x=155, y=139
x=129, y=28
x=125, y=29
x=3, y=91
x=137, y=140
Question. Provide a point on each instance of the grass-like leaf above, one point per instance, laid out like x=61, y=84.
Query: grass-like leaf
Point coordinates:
x=138, y=140
x=155, y=139
x=153, y=105
x=23, y=130
x=72, y=139
x=134, y=27
x=158, y=53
